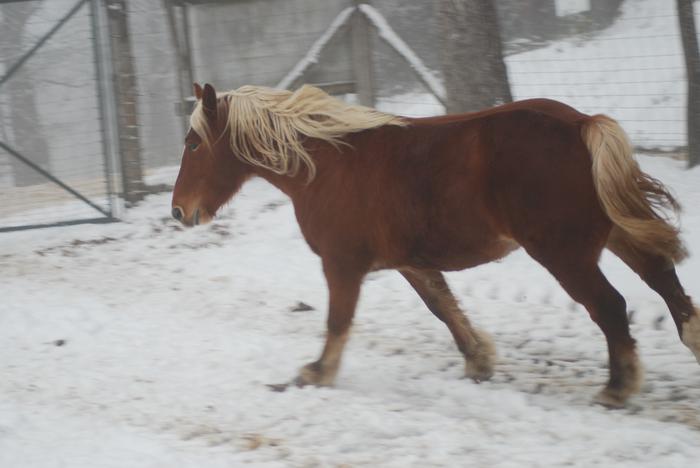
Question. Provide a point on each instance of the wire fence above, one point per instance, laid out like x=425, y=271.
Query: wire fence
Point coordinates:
x=53, y=167
x=634, y=71
x=628, y=64
x=625, y=61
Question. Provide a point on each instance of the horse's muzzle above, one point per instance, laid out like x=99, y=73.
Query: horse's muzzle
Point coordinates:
x=179, y=214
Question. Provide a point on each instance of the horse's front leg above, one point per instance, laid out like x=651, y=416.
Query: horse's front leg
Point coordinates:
x=343, y=291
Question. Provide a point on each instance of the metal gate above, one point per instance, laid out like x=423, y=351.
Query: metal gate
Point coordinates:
x=57, y=152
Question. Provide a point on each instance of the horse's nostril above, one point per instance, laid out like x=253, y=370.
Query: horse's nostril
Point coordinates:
x=177, y=213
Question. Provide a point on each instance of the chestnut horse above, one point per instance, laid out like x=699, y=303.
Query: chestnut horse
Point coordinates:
x=375, y=191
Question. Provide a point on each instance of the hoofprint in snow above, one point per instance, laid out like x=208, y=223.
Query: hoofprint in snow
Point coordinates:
x=143, y=344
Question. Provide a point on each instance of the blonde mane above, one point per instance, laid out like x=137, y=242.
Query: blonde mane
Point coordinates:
x=267, y=127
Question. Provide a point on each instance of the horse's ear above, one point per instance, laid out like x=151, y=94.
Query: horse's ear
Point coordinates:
x=197, y=91
x=209, y=100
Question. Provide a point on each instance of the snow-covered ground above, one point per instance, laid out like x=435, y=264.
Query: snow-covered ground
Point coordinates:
x=141, y=344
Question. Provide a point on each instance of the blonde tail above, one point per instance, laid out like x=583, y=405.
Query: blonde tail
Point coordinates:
x=633, y=200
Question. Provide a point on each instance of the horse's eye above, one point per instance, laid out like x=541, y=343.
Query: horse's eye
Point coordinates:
x=193, y=146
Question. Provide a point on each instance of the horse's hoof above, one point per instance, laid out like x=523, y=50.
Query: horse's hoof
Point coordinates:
x=480, y=360
x=628, y=382
x=610, y=399
x=314, y=374
x=300, y=381
x=478, y=371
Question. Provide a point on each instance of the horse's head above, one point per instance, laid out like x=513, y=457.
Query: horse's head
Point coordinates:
x=209, y=172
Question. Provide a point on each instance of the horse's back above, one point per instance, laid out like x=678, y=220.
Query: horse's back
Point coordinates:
x=549, y=107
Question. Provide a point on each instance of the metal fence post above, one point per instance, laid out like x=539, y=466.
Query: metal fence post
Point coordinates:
x=105, y=98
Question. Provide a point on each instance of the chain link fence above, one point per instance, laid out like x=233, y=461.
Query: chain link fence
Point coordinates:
x=622, y=58
x=54, y=163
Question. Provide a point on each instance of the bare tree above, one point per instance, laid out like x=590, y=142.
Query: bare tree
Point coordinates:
x=692, y=66
x=472, y=61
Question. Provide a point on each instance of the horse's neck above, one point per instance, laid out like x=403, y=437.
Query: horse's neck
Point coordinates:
x=289, y=185
x=297, y=184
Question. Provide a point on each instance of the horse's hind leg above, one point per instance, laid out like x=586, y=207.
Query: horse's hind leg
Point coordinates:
x=660, y=274
x=475, y=345
x=579, y=275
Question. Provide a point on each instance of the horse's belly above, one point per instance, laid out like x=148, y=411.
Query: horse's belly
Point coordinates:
x=461, y=255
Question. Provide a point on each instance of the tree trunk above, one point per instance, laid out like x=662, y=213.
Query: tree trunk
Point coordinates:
x=692, y=66
x=126, y=95
x=24, y=120
x=472, y=55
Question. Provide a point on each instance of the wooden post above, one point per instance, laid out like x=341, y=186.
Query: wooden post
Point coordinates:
x=126, y=101
x=362, y=56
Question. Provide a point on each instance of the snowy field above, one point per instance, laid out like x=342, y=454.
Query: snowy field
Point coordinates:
x=141, y=344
